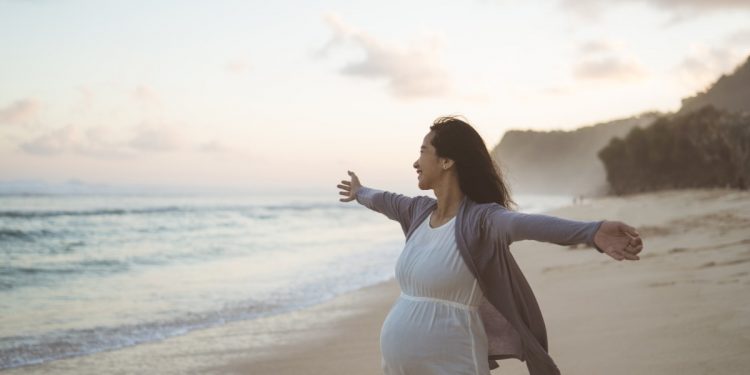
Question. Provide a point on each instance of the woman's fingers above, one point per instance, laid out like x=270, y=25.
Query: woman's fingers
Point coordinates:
x=635, y=245
x=636, y=249
x=347, y=190
x=620, y=241
x=354, y=177
x=630, y=256
x=348, y=187
x=633, y=249
x=627, y=229
x=622, y=255
x=616, y=254
x=629, y=252
x=637, y=241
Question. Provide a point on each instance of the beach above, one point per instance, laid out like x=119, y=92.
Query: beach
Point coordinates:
x=681, y=309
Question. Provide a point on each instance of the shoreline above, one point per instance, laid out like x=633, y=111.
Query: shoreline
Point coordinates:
x=257, y=344
x=677, y=310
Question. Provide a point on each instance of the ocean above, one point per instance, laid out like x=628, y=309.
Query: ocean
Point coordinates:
x=81, y=274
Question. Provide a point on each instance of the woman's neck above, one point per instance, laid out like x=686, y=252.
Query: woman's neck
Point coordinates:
x=449, y=197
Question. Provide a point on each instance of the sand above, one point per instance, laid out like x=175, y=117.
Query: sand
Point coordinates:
x=684, y=308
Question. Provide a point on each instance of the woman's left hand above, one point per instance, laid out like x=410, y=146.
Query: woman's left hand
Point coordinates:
x=619, y=240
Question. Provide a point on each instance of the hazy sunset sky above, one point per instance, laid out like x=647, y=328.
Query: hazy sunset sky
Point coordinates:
x=281, y=93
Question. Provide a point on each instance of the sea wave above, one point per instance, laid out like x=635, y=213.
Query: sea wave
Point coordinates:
x=31, y=214
x=84, y=275
x=19, y=276
x=18, y=234
x=18, y=351
x=96, y=212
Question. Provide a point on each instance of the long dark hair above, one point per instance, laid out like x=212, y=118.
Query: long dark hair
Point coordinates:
x=479, y=177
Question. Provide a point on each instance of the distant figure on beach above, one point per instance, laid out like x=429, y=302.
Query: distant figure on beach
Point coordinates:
x=464, y=301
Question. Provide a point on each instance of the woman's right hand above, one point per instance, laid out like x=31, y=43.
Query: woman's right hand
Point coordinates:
x=349, y=188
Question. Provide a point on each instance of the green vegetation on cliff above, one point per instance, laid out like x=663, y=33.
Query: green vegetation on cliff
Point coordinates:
x=703, y=148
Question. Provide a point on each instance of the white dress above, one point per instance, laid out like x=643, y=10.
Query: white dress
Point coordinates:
x=434, y=327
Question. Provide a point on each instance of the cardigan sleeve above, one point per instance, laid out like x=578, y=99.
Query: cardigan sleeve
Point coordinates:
x=393, y=205
x=518, y=226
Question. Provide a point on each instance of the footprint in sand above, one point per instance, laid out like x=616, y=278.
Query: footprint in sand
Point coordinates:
x=727, y=263
x=668, y=283
x=664, y=283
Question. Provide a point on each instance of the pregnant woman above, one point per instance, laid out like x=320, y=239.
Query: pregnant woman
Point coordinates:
x=464, y=301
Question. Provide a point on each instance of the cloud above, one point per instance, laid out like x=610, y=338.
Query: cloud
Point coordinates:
x=212, y=147
x=696, y=5
x=609, y=68
x=156, y=139
x=679, y=8
x=605, y=60
x=73, y=139
x=411, y=71
x=86, y=99
x=55, y=142
x=341, y=32
x=556, y=91
x=150, y=135
x=104, y=142
x=150, y=104
x=148, y=98
x=145, y=93
x=21, y=111
x=237, y=66
x=596, y=46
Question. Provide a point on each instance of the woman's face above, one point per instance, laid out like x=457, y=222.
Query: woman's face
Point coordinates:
x=429, y=166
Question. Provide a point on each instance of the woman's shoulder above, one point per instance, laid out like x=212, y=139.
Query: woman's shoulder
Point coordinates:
x=475, y=214
x=485, y=214
x=423, y=201
x=485, y=208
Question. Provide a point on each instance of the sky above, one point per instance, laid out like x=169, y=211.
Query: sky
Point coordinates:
x=291, y=95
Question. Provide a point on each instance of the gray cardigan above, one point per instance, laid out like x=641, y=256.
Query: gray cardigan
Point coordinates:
x=484, y=231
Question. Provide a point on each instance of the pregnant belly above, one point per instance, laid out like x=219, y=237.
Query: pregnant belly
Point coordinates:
x=423, y=332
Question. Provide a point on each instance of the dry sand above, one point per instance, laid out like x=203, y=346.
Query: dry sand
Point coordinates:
x=684, y=308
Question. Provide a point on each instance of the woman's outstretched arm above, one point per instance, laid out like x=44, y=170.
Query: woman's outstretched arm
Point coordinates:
x=617, y=239
x=395, y=206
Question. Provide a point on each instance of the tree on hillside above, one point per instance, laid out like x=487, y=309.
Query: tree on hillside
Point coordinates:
x=704, y=148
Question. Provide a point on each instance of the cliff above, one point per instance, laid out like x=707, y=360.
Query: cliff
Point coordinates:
x=560, y=162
